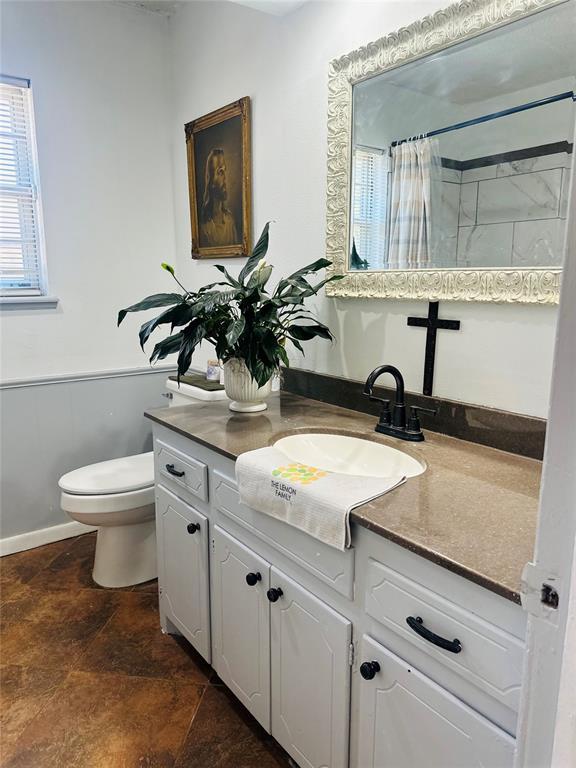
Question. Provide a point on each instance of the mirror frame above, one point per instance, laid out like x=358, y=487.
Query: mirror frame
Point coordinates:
x=445, y=28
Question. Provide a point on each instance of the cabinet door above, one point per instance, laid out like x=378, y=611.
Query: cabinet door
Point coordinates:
x=310, y=646
x=241, y=623
x=407, y=720
x=183, y=573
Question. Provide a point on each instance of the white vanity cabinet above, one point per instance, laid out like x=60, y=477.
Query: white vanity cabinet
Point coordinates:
x=407, y=720
x=287, y=623
x=182, y=536
x=310, y=655
x=284, y=653
x=241, y=623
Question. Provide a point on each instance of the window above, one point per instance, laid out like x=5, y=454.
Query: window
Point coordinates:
x=22, y=271
x=370, y=184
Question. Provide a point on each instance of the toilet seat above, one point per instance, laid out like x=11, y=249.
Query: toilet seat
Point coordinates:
x=108, y=504
x=116, y=476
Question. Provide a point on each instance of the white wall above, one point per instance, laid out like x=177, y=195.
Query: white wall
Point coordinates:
x=502, y=356
x=100, y=88
x=100, y=91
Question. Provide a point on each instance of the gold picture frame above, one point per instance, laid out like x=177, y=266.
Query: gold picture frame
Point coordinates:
x=220, y=182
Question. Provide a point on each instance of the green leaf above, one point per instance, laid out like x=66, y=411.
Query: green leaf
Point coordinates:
x=269, y=348
x=283, y=355
x=231, y=280
x=259, y=251
x=193, y=335
x=167, y=347
x=150, y=302
x=307, y=332
x=168, y=268
x=211, y=299
x=297, y=345
x=234, y=330
x=314, y=267
x=147, y=328
x=267, y=312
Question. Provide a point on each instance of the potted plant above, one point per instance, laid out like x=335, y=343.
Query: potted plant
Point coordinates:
x=247, y=323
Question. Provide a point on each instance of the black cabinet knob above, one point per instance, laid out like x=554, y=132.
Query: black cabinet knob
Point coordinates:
x=274, y=593
x=253, y=578
x=368, y=669
x=193, y=527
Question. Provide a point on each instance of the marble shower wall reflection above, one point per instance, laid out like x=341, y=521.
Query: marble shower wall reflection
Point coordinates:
x=506, y=214
x=514, y=213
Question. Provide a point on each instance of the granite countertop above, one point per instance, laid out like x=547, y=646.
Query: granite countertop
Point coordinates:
x=472, y=511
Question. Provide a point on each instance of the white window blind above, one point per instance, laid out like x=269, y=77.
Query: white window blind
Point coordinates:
x=370, y=184
x=21, y=245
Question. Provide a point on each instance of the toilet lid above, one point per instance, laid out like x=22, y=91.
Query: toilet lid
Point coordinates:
x=130, y=473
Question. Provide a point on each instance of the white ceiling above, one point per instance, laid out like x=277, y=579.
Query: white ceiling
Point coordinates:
x=274, y=7
x=168, y=7
x=530, y=52
x=163, y=7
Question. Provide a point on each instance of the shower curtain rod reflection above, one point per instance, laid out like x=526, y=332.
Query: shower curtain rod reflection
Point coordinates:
x=492, y=116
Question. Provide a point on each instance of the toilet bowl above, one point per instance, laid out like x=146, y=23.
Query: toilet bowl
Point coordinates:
x=117, y=497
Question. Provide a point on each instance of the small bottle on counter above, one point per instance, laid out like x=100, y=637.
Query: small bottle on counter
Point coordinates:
x=213, y=370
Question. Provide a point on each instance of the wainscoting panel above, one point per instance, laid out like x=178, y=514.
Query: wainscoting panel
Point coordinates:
x=53, y=426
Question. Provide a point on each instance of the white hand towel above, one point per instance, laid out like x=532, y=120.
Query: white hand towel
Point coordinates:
x=311, y=499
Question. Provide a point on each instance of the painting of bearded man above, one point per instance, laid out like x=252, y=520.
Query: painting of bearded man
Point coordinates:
x=219, y=181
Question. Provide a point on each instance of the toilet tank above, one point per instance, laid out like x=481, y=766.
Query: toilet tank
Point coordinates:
x=185, y=394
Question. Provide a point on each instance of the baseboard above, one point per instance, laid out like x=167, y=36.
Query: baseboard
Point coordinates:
x=12, y=544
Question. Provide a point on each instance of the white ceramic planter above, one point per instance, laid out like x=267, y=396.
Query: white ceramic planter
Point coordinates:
x=243, y=391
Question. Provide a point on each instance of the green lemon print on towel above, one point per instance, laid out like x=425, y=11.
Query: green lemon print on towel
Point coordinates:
x=299, y=473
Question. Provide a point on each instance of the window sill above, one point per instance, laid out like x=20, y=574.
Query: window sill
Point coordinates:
x=28, y=302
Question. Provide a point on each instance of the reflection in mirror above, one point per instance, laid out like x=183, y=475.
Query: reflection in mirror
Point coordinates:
x=461, y=159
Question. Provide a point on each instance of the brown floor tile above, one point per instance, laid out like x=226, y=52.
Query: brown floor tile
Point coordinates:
x=55, y=627
x=132, y=643
x=20, y=568
x=24, y=691
x=147, y=586
x=225, y=735
x=71, y=569
x=108, y=721
x=89, y=681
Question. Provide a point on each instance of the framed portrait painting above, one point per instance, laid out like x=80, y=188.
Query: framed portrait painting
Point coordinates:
x=219, y=182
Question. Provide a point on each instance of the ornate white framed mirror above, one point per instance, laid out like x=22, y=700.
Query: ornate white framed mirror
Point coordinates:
x=449, y=155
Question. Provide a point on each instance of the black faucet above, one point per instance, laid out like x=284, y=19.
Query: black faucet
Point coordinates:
x=394, y=422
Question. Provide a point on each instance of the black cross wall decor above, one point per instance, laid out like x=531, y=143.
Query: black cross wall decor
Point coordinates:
x=432, y=323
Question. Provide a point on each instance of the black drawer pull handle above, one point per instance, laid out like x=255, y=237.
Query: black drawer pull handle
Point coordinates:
x=417, y=624
x=253, y=578
x=175, y=472
x=193, y=527
x=274, y=593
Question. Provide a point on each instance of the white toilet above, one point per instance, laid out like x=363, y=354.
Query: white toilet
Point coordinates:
x=117, y=496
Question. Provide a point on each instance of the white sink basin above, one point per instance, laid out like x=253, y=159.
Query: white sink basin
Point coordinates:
x=348, y=455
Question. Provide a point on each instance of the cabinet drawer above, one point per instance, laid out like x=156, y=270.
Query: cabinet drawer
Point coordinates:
x=490, y=658
x=179, y=472
x=407, y=720
x=328, y=564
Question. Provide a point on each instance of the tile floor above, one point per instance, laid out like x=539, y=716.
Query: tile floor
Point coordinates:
x=87, y=680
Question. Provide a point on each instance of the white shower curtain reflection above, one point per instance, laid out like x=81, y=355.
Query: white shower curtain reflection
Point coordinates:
x=416, y=170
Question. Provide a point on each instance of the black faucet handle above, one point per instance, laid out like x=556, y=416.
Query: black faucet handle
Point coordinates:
x=414, y=420
x=368, y=392
x=385, y=415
